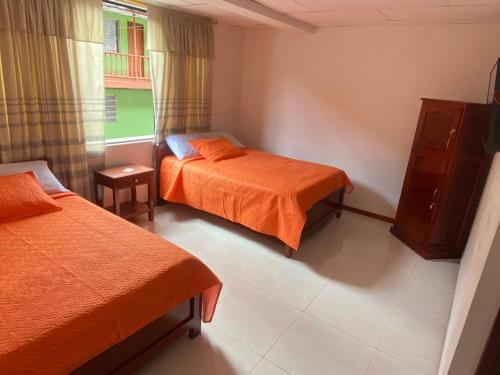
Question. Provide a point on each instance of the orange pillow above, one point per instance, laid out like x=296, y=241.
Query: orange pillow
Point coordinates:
x=216, y=149
x=21, y=197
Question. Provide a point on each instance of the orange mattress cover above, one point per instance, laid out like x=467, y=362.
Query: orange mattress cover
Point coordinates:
x=75, y=282
x=267, y=193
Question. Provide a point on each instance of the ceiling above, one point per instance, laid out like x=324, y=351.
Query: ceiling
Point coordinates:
x=323, y=13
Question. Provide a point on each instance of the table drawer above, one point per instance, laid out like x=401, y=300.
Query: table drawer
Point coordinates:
x=134, y=180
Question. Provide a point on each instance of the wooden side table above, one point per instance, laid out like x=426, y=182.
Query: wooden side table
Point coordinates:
x=127, y=177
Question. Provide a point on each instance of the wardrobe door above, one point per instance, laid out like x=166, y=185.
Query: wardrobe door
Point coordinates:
x=423, y=183
x=438, y=126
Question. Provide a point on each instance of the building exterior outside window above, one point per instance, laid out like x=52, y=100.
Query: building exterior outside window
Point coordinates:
x=127, y=81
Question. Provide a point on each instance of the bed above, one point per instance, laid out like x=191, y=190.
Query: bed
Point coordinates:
x=270, y=194
x=84, y=291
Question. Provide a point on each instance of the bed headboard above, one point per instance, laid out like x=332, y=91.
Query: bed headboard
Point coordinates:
x=162, y=150
x=49, y=162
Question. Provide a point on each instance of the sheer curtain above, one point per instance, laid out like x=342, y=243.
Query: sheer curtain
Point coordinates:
x=52, y=86
x=181, y=54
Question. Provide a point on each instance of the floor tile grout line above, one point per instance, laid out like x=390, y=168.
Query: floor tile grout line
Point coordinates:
x=420, y=316
x=254, y=366
x=269, y=295
x=396, y=306
x=273, y=297
x=336, y=273
x=231, y=292
x=243, y=281
x=362, y=245
x=371, y=361
x=282, y=334
x=223, y=297
x=416, y=314
x=276, y=298
x=286, y=329
x=265, y=359
x=303, y=312
x=412, y=313
x=315, y=296
x=261, y=357
x=403, y=362
x=235, y=339
x=339, y=329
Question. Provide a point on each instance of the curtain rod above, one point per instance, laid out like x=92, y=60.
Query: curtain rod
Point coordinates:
x=125, y=5
x=137, y=8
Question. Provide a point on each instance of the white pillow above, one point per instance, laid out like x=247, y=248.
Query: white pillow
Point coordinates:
x=180, y=146
x=49, y=183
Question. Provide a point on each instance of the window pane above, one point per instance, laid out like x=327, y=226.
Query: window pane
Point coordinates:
x=110, y=35
x=134, y=113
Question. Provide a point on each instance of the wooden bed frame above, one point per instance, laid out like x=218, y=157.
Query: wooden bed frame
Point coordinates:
x=131, y=353
x=134, y=351
x=319, y=213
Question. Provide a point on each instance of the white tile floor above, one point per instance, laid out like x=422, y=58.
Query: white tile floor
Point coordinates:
x=354, y=300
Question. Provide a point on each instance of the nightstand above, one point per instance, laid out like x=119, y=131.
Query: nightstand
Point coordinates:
x=127, y=177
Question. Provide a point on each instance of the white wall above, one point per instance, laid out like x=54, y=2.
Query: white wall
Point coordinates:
x=349, y=96
x=226, y=101
x=227, y=75
x=476, y=299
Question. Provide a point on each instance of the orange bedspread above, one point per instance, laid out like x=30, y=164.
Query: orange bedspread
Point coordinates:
x=75, y=282
x=267, y=193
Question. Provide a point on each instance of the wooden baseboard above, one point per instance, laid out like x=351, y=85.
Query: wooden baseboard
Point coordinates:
x=369, y=214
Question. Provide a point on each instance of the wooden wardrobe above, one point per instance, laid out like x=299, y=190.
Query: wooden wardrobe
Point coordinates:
x=444, y=178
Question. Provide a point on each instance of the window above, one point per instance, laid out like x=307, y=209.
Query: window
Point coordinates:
x=111, y=35
x=111, y=109
x=127, y=82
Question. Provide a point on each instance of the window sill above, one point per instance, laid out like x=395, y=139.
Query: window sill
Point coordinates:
x=128, y=140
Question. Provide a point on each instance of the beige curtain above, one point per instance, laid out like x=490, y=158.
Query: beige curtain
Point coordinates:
x=51, y=86
x=181, y=54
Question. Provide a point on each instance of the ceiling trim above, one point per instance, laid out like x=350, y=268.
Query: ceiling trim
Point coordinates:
x=253, y=10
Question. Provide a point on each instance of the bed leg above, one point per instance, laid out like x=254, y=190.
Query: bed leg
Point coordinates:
x=288, y=251
x=194, y=332
x=341, y=202
x=160, y=201
x=195, y=324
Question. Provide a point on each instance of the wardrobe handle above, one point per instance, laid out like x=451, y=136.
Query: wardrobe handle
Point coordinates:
x=434, y=198
x=450, y=137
